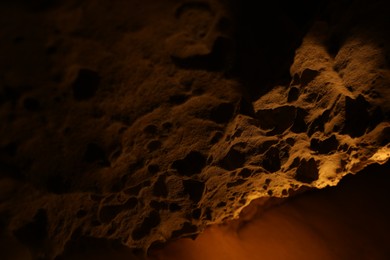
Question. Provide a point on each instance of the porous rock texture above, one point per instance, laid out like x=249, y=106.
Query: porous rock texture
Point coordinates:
x=145, y=121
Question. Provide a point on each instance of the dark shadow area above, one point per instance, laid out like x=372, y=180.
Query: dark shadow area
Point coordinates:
x=96, y=248
x=267, y=35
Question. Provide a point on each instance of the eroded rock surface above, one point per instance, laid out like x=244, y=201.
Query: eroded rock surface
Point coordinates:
x=131, y=121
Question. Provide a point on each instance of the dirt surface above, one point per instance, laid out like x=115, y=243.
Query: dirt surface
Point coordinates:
x=132, y=123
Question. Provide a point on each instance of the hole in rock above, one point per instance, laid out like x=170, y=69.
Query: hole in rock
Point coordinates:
x=86, y=84
x=95, y=154
x=191, y=164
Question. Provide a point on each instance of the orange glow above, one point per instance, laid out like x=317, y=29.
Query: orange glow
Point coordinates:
x=349, y=221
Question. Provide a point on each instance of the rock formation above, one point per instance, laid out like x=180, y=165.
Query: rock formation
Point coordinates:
x=145, y=121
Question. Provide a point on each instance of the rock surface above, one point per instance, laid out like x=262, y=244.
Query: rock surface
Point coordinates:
x=144, y=121
x=348, y=221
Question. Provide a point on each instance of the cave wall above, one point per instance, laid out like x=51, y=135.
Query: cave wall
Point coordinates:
x=143, y=121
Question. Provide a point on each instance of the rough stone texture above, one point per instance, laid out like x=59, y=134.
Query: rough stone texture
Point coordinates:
x=143, y=121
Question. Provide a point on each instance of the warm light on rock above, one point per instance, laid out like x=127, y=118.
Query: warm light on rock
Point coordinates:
x=126, y=125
